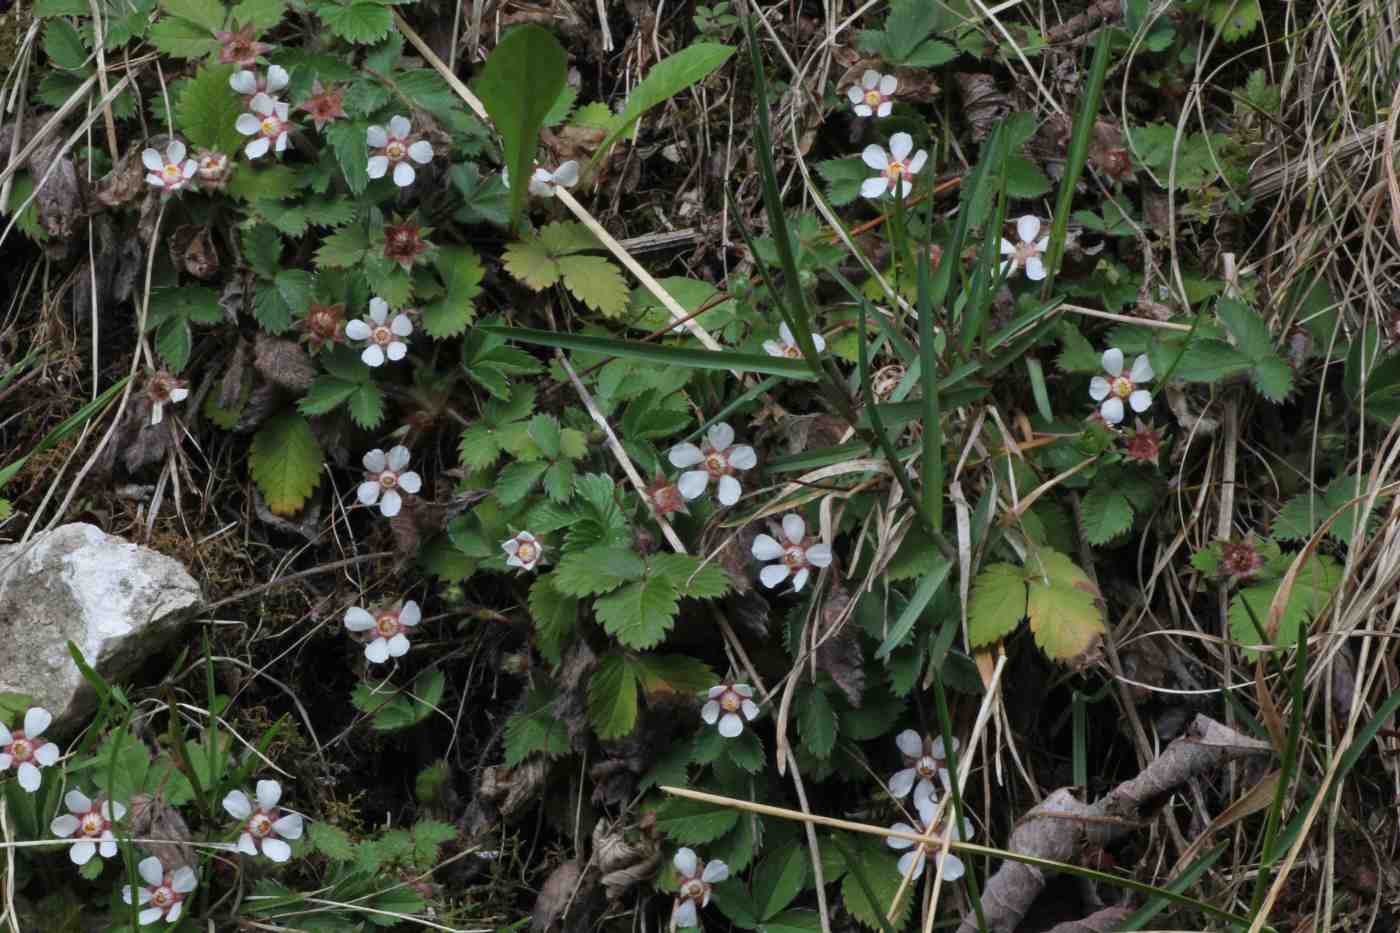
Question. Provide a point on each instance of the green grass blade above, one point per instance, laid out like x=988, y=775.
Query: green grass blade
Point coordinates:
x=686, y=357
x=67, y=427
x=1074, y=160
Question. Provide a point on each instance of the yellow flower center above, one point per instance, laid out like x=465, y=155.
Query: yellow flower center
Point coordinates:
x=387, y=624
x=271, y=126
x=716, y=464
x=163, y=897
x=260, y=825
x=1122, y=386
x=172, y=172
x=382, y=335
x=21, y=749
x=395, y=150
x=92, y=824
x=795, y=557
x=731, y=701
x=873, y=98
x=388, y=479
x=526, y=551
x=694, y=890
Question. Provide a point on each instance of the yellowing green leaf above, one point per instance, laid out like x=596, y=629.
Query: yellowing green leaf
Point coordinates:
x=530, y=262
x=997, y=605
x=285, y=461
x=1063, y=606
x=596, y=282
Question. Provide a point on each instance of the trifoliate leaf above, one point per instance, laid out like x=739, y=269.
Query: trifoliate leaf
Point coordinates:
x=461, y=272
x=276, y=303
x=595, y=281
x=694, y=822
x=285, y=460
x=363, y=399
x=1313, y=587
x=515, y=481
x=181, y=38
x=597, y=570
x=544, y=431
x=208, y=108
x=1059, y=599
x=612, y=697
x=361, y=22
x=640, y=614
x=816, y=719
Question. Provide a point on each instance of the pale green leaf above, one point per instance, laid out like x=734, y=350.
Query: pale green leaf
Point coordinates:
x=285, y=461
x=1313, y=587
x=595, y=281
x=362, y=22
x=1063, y=606
x=998, y=603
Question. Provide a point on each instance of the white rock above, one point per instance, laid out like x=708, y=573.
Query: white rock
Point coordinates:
x=118, y=602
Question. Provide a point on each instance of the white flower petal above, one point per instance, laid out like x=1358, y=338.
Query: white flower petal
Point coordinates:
x=895, y=842
x=916, y=164
x=244, y=82
x=398, y=457
x=152, y=160
x=396, y=351
x=184, y=880
x=398, y=646
x=717, y=691
x=729, y=490
x=720, y=436
x=376, y=137
x=685, y=455
x=938, y=749
x=901, y=144
x=77, y=802
x=854, y=95
x=863, y=109
x=175, y=152
x=82, y=852
x=773, y=574
x=46, y=755
x=29, y=777
x=744, y=690
x=742, y=457
x=1141, y=400
x=1028, y=228
x=36, y=720
x=765, y=547
x=179, y=394
x=710, y=712
x=368, y=492
x=794, y=528
x=951, y=866
x=108, y=847
x=750, y=709
x=401, y=325
x=730, y=725
x=263, y=104
x=911, y=864
x=377, y=651
x=372, y=355
x=715, y=872
x=799, y=579
x=268, y=793
x=391, y=503
x=410, y=615
x=774, y=348
x=422, y=153
x=1113, y=361
x=375, y=461
x=399, y=127
x=875, y=157
x=357, y=619
x=151, y=871
x=888, y=85
x=277, y=78
x=257, y=148
x=884, y=109
x=819, y=555
x=289, y=826
x=1112, y=410
x=276, y=849
x=149, y=915
x=1099, y=388
x=404, y=174
x=870, y=79
x=357, y=330
x=1035, y=269
x=377, y=166
x=65, y=825
x=246, y=845
x=686, y=862
x=692, y=484
x=902, y=782
x=873, y=188
x=684, y=915
x=1142, y=369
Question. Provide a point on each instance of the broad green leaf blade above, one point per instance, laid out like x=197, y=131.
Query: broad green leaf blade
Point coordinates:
x=655, y=353
x=612, y=697
x=666, y=79
x=519, y=83
x=285, y=461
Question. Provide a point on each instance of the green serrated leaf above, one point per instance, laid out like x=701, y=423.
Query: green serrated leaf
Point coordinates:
x=640, y=614
x=843, y=179
x=998, y=603
x=530, y=262
x=209, y=14
x=63, y=46
x=694, y=822
x=534, y=729
x=347, y=139
x=343, y=249
x=595, y=281
x=612, y=697
x=255, y=181
x=461, y=272
x=181, y=38
x=260, y=14
x=555, y=615
x=331, y=841
x=816, y=719
x=597, y=570
x=262, y=249
x=362, y=22
x=1272, y=377
x=779, y=878
x=285, y=461
x=693, y=577
x=516, y=480
x=208, y=108
x=1313, y=587
x=485, y=200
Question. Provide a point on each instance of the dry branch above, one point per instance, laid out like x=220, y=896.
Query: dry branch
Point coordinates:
x=1062, y=825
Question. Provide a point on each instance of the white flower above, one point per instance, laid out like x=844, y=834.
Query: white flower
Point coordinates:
x=212, y=166
x=249, y=84
x=384, y=337
x=162, y=895
x=1026, y=253
x=894, y=167
x=395, y=149
x=164, y=389
x=796, y=557
x=718, y=460
x=695, y=886
x=262, y=826
x=542, y=181
x=169, y=172
x=267, y=122
x=390, y=628
x=924, y=759
x=386, y=476
x=786, y=345
x=1116, y=387
x=724, y=704
x=90, y=825
x=913, y=860
x=523, y=551
x=872, y=97
x=26, y=750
